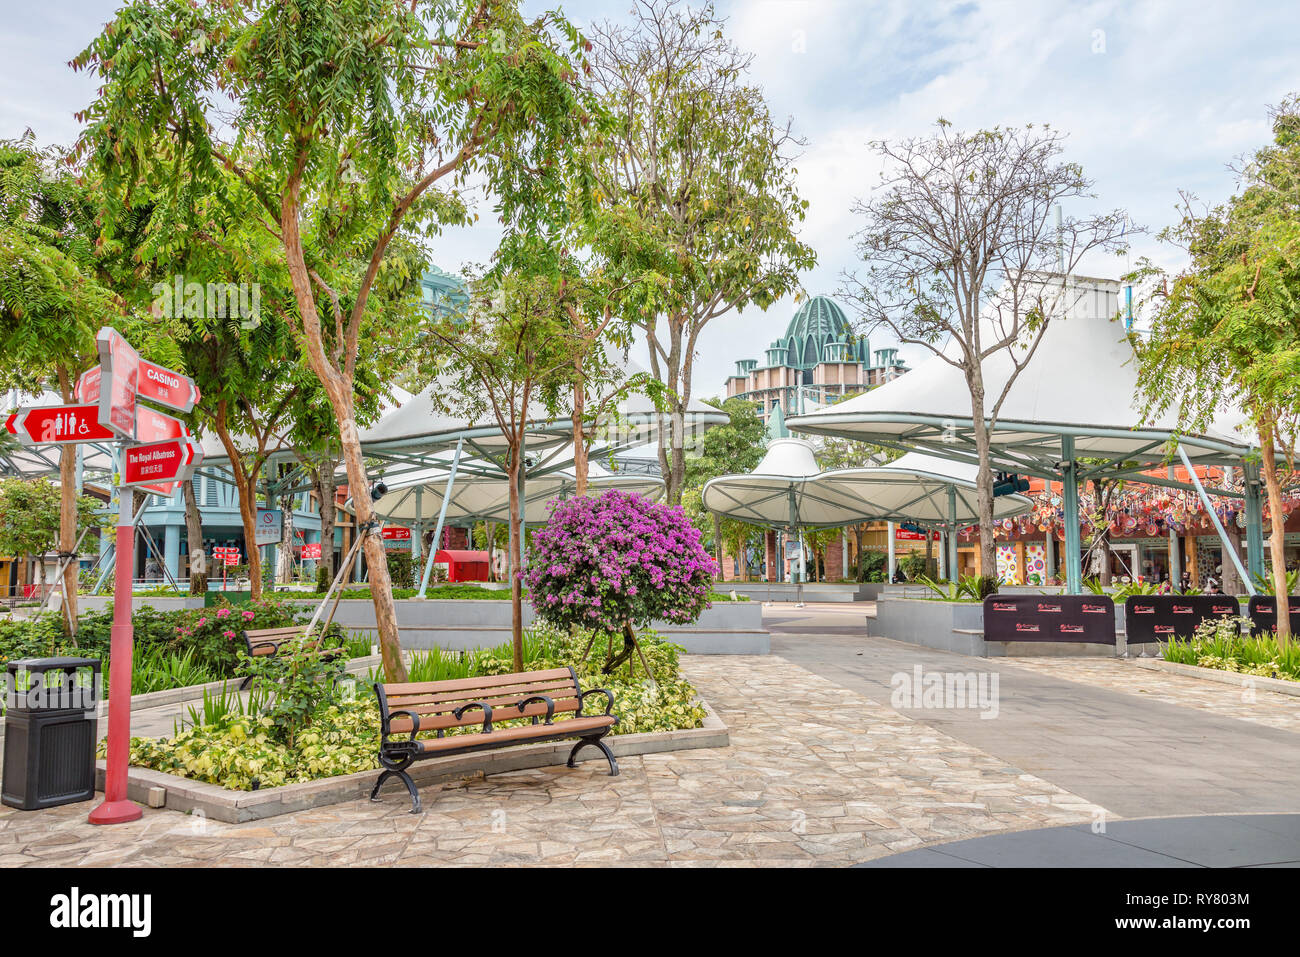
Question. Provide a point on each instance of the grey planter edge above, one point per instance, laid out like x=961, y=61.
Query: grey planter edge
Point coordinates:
x=235, y=807
x=1258, y=682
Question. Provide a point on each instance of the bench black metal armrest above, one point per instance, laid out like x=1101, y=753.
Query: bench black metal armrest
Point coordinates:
x=550, y=707
x=609, y=699
x=388, y=719
x=487, y=713
x=254, y=645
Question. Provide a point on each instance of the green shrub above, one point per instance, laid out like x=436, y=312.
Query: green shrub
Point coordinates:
x=401, y=568
x=244, y=753
x=913, y=565
x=1226, y=644
x=872, y=566
x=304, y=683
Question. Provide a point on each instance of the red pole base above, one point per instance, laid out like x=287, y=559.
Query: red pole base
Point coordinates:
x=116, y=812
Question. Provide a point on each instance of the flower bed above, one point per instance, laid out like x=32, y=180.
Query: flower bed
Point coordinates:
x=246, y=751
x=173, y=649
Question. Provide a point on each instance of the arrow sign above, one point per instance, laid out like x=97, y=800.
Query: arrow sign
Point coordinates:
x=88, y=385
x=154, y=426
x=58, y=425
x=167, y=387
x=161, y=462
x=121, y=365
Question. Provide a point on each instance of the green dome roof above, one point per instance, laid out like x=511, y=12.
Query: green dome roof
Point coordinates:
x=816, y=323
x=820, y=318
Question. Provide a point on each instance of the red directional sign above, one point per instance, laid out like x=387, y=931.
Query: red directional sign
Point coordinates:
x=58, y=425
x=160, y=462
x=154, y=426
x=88, y=385
x=166, y=387
x=121, y=366
x=310, y=551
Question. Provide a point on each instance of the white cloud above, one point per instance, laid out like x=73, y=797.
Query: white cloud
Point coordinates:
x=1175, y=93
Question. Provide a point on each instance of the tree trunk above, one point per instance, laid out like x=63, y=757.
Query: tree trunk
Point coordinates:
x=516, y=593
x=68, y=513
x=338, y=386
x=381, y=582
x=1277, y=541
x=284, y=571
x=579, y=436
x=1231, y=580
x=194, y=532
x=246, y=486
x=984, y=478
x=324, y=482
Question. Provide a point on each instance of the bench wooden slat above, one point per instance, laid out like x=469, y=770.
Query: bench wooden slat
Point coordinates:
x=441, y=707
x=456, y=698
x=272, y=632
x=504, y=712
x=504, y=736
x=461, y=684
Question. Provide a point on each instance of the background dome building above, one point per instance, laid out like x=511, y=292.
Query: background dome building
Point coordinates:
x=819, y=359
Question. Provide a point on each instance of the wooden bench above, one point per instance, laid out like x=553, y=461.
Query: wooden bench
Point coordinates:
x=439, y=706
x=261, y=642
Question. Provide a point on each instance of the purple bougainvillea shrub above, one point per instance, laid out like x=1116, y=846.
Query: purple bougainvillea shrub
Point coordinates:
x=617, y=561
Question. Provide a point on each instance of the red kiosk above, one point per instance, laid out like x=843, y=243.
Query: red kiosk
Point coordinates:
x=462, y=565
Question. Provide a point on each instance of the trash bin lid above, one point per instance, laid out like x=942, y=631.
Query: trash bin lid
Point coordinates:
x=52, y=664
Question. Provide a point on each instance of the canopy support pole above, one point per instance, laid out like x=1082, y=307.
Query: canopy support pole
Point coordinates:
x=952, y=534
x=1254, y=521
x=442, y=515
x=1070, y=498
x=889, y=551
x=111, y=562
x=1218, y=525
x=796, y=535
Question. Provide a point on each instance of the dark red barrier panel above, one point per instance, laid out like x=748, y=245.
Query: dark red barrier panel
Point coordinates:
x=1149, y=618
x=1082, y=618
x=1263, y=614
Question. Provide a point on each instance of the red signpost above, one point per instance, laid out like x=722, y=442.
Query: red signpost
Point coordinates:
x=157, y=452
x=58, y=425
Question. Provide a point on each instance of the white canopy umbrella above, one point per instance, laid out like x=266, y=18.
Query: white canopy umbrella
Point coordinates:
x=1075, y=398
x=470, y=490
x=479, y=498
x=787, y=489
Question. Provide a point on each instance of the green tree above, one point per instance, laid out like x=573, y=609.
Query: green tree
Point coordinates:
x=1226, y=329
x=963, y=259
x=507, y=358
x=30, y=520
x=695, y=191
x=341, y=125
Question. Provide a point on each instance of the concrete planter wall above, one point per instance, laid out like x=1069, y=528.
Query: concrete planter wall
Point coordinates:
x=101, y=602
x=815, y=591
x=959, y=627
x=728, y=628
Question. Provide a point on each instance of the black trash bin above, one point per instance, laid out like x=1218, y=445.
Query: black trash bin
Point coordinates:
x=50, y=731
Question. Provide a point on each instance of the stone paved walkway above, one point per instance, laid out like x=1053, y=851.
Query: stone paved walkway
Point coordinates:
x=1139, y=743
x=1260, y=707
x=816, y=774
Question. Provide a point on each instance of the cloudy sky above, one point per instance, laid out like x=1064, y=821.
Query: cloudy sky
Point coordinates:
x=1156, y=97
